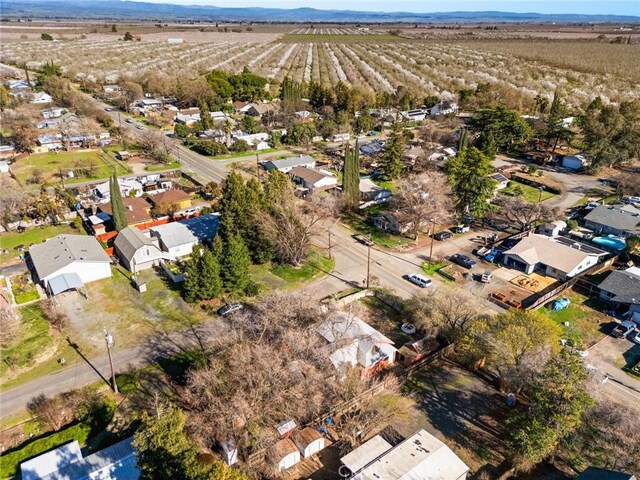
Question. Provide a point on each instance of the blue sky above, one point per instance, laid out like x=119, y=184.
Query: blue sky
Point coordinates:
x=617, y=7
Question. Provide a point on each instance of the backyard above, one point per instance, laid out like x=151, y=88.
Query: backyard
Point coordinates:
x=85, y=165
x=23, y=289
x=285, y=276
x=12, y=240
x=361, y=225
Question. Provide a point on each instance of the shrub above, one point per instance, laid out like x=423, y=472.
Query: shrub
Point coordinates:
x=47, y=37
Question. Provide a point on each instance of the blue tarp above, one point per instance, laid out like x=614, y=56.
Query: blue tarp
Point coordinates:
x=561, y=304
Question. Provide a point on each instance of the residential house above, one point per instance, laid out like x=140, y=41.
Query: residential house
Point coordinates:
x=372, y=193
x=110, y=88
x=117, y=462
x=171, y=199
x=129, y=187
x=416, y=115
x=41, y=98
x=620, y=220
x=68, y=262
x=53, y=112
x=215, y=134
x=243, y=108
x=575, y=162
x=389, y=222
x=313, y=179
x=136, y=251
x=341, y=137
x=558, y=257
x=355, y=343
x=137, y=210
x=252, y=138
x=69, y=119
x=285, y=165
x=444, y=108
x=387, y=116
x=421, y=456
x=593, y=473
x=49, y=143
x=4, y=166
x=286, y=454
x=501, y=181
x=262, y=145
x=412, y=154
x=552, y=229
x=193, y=115
x=372, y=147
x=7, y=151
x=309, y=441
x=179, y=238
x=621, y=287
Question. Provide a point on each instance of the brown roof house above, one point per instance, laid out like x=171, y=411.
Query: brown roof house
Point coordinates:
x=136, y=210
x=313, y=179
x=171, y=199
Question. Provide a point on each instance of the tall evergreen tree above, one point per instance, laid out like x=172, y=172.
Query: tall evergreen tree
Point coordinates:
x=555, y=129
x=351, y=175
x=462, y=143
x=192, y=286
x=468, y=174
x=211, y=283
x=235, y=265
x=486, y=143
x=117, y=205
x=205, y=116
x=392, y=157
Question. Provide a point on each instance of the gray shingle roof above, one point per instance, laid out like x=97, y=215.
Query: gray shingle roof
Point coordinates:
x=593, y=473
x=624, y=285
x=626, y=218
x=290, y=162
x=129, y=240
x=193, y=230
x=63, y=250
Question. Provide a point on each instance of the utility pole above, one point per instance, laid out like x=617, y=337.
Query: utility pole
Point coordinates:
x=258, y=165
x=109, y=341
x=368, y=264
x=433, y=234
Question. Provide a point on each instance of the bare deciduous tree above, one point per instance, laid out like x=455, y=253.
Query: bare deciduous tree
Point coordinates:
x=526, y=215
x=447, y=312
x=155, y=144
x=423, y=199
x=49, y=411
x=14, y=201
x=9, y=326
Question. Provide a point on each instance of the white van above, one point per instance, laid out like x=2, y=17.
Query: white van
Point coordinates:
x=419, y=280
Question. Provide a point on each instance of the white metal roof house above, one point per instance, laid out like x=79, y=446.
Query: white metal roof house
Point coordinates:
x=557, y=257
x=420, y=457
x=41, y=98
x=137, y=251
x=287, y=164
x=356, y=343
x=444, y=108
x=117, y=462
x=128, y=187
x=416, y=115
x=68, y=262
x=178, y=238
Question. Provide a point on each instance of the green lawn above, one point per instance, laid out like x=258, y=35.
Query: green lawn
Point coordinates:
x=33, y=235
x=584, y=321
x=24, y=292
x=529, y=193
x=158, y=167
x=316, y=265
x=51, y=163
x=387, y=185
x=10, y=463
x=433, y=269
x=248, y=153
x=380, y=237
x=33, y=340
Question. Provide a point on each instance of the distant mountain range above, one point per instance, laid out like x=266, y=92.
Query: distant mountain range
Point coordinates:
x=127, y=10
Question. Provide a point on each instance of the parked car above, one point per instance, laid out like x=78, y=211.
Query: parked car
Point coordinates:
x=460, y=229
x=419, y=280
x=636, y=338
x=463, y=261
x=108, y=109
x=139, y=127
x=442, y=235
x=364, y=239
x=129, y=120
x=486, y=277
x=623, y=329
x=230, y=308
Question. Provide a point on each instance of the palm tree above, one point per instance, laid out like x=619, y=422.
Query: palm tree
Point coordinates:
x=228, y=128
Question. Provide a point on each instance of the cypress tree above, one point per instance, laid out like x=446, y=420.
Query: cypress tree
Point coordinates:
x=462, y=143
x=235, y=265
x=117, y=205
x=192, y=285
x=487, y=144
x=351, y=175
x=209, y=278
x=392, y=158
x=205, y=116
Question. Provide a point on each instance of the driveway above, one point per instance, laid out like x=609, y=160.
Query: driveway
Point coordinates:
x=609, y=356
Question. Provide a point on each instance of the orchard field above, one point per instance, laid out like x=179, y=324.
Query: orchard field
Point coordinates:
x=373, y=59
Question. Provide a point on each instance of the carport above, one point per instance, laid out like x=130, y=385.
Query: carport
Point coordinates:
x=63, y=282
